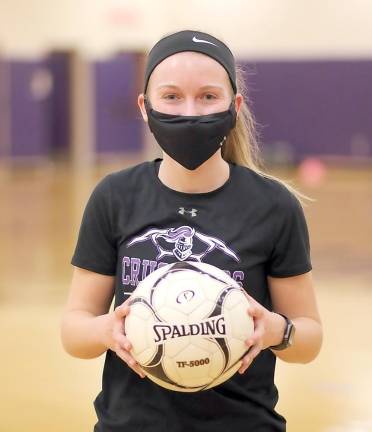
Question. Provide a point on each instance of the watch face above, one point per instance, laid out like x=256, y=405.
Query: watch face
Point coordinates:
x=288, y=335
x=292, y=331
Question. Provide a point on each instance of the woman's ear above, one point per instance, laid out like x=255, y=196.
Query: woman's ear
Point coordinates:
x=141, y=104
x=238, y=102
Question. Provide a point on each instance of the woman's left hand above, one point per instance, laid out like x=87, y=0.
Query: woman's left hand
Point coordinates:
x=263, y=334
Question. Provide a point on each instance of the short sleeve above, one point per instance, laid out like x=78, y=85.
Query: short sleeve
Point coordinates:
x=291, y=248
x=96, y=247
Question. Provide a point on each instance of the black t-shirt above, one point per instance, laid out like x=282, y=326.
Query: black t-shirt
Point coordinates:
x=251, y=227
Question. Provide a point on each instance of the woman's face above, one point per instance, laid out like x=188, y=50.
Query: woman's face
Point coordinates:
x=191, y=84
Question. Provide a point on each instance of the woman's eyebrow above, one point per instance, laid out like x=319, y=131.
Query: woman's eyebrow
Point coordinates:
x=201, y=88
x=212, y=86
x=166, y=86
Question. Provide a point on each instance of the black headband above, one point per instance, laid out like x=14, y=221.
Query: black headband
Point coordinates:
x=188, y=40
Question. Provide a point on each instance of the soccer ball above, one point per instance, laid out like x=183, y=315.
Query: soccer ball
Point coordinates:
x=188, y=324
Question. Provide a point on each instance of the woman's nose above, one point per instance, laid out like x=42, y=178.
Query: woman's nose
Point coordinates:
x=190, y=108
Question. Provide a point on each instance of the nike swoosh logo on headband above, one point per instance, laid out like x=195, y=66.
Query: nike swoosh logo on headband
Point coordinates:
x=195, y=39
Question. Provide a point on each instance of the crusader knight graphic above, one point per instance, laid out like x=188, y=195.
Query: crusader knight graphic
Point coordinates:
x=181, y=239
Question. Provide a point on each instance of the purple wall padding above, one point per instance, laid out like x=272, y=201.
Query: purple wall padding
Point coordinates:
x=59, y=64
x=315, y=107
x=4, y=108
x=118, y=123
x=30, y=113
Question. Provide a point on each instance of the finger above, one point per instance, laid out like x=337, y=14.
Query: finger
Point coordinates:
x=140, y=371
x=252, y=302
x=251, y=342
x=127, y=300
x=246, y=361
x=250, y=299
x=255, y=340
x=254, y=307
x=123, y=341
x=118, y=327
x=130, y=361
x=125, y=353
x=137, y=369
x=255, y=312
x=122, y=310
x=259, y=329
x=258, y=332
x=259, y=324
x=252, y=353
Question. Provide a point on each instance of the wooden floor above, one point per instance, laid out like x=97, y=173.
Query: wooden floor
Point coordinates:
x=44, y=390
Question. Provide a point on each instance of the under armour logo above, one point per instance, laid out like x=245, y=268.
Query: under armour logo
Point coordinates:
x=192, y=212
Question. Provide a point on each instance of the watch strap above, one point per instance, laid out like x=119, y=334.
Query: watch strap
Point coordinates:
x=289, y=328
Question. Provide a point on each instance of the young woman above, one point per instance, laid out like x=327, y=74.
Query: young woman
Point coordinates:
x=208, y=182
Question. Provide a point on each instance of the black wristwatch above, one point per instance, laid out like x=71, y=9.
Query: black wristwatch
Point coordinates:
x=288, y=335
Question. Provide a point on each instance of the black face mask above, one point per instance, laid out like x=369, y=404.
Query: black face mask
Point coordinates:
x=191, y=140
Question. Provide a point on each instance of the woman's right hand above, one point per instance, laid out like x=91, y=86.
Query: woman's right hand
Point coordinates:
x=116, y=340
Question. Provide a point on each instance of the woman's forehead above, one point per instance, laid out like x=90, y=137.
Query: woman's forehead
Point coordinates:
x=182, y=67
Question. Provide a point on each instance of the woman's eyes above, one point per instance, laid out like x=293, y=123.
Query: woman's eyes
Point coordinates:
x=207, y=96
x=171, y=97
x=211, y=98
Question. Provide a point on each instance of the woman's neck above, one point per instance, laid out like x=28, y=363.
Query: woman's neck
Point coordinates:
x=211, y=175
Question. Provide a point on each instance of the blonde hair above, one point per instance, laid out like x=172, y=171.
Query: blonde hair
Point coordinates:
x=241, y=146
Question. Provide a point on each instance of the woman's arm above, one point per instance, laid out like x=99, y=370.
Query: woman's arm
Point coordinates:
x=85, y=315
x=294, y=297
x=87, y=328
